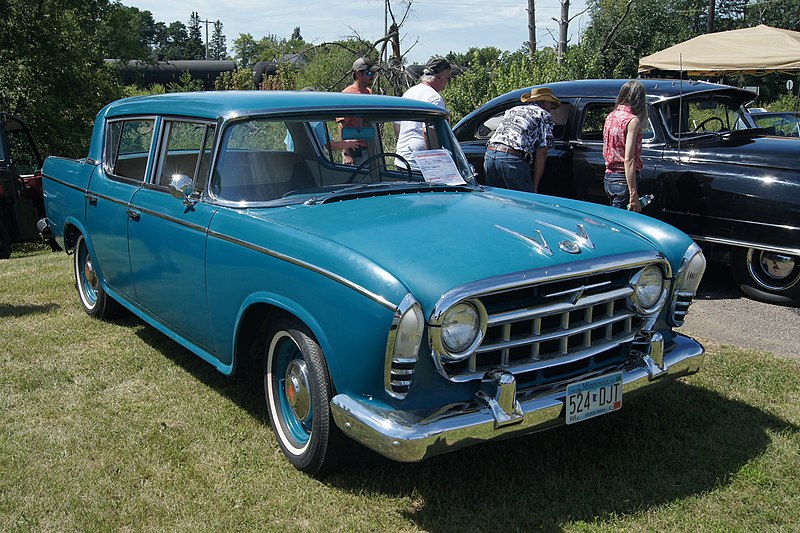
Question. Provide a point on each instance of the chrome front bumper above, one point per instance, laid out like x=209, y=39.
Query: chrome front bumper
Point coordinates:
x=404, y=437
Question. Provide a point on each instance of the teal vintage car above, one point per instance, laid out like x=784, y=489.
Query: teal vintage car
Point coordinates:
x=390, y=302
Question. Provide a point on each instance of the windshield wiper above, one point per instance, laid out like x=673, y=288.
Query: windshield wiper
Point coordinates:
x=399, y=185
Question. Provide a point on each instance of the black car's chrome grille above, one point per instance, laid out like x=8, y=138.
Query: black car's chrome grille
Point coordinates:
x=555, y=329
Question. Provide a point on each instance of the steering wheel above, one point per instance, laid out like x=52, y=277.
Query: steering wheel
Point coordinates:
x=371, y=158
x=706, y=121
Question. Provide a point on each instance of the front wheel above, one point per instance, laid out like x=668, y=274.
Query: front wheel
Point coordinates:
x=767, y=276
x=298, y=391
x=94, y=299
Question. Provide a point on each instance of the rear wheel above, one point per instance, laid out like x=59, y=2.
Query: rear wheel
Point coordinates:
x=5, y=242
x=94, y=299
x=767, y=276
x=298, y=391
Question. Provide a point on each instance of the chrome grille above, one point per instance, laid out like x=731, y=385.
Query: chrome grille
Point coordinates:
x=683, y=300
x=400, y=374
x=555, y=328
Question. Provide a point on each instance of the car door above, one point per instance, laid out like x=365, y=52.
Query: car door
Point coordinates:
x=167, y=238
x=127, y=159
x=588, y=164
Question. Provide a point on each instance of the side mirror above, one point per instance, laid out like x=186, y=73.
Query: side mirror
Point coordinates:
x=181, y=187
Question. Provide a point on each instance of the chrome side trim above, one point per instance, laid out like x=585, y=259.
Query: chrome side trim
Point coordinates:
x=335, y=277
x=401, y=436
x=748, y=244
x=398, y=371
x=308, y=266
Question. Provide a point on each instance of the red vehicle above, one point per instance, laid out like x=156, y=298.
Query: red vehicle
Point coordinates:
x=21, y=201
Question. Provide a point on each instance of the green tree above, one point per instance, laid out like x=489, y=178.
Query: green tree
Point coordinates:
x=217, y=48
x=53, y=73
x=194, y=45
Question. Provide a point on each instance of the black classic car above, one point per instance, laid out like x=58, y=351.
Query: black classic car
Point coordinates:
x=713, y=172
x=21, y=203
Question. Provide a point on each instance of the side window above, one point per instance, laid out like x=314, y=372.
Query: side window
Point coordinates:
x=128, y=147
x=254, y=164
x=595, y=118
x=186, y=150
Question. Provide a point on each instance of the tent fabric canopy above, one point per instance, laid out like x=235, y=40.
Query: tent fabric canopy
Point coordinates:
x=748, y=51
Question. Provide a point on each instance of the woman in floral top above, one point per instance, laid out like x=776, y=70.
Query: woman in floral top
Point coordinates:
x=622, y=146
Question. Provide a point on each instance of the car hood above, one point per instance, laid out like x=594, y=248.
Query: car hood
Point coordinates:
x=435, y=241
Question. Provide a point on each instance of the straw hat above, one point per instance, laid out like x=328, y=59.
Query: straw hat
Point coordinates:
x=540, y=94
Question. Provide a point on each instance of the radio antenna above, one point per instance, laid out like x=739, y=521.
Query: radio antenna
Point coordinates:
x=680, y=105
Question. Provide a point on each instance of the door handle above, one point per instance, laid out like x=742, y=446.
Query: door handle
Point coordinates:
x=134, y=215
x=91, y=198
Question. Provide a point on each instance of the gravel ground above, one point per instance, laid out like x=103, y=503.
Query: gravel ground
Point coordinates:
x=722, y=315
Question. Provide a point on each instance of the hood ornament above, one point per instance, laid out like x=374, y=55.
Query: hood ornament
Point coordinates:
x=571, y=247
x=579, y=236
x=538, y=242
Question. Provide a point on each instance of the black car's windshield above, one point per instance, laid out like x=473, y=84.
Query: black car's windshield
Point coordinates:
x=292, y=160
x=704, y=114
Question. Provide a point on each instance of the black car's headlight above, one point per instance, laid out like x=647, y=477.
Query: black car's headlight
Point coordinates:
x=648, y=289
x=461, y=329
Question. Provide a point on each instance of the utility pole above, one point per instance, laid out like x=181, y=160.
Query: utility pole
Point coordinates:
x=532, y=26
x=563, y=29
x=207, y=22
x=711, y=14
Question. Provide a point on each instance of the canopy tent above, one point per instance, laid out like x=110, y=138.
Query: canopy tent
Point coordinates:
x=756, y=50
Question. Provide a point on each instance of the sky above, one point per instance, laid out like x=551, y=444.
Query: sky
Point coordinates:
x=436, y=26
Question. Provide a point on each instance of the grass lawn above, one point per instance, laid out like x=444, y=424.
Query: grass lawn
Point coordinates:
x=108, y=426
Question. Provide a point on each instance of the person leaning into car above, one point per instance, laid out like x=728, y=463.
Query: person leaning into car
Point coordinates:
x=622, y=146
x=524, y=131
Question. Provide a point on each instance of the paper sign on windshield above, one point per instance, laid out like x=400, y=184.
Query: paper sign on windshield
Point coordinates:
x=437, y=166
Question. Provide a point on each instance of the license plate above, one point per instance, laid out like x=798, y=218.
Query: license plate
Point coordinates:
x=593, y=397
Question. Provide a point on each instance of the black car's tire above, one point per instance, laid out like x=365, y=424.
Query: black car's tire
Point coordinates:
x=94, y=299
x=298, y=391
x=767, y=276
x=5, y=242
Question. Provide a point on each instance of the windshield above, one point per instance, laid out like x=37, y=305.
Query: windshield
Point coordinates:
x=702, y=114
x=290, y=161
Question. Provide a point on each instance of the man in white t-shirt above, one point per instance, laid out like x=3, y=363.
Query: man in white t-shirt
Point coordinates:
x=411, y=135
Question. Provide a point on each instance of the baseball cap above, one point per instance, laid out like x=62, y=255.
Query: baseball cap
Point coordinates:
x=435, y=65
x=362, y=63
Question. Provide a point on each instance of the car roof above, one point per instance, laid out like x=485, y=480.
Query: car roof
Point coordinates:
x=657, y=89
x=230, y=104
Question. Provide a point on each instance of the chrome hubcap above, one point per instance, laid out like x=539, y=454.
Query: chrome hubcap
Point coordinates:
x=89, y=273
x=772, y=270
x=777, y=266
x=297, y=390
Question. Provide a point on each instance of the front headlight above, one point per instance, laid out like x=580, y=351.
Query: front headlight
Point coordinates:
x=462, y=328
x=648, y=289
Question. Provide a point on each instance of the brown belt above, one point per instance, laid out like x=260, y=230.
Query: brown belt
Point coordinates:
x=506, y=149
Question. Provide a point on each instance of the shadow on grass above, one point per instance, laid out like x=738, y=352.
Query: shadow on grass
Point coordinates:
x=243, y=387
x=680, y=440
x=11, y=310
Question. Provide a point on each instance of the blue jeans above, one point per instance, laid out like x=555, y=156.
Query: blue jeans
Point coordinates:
x=507, y=171
x=616, y=187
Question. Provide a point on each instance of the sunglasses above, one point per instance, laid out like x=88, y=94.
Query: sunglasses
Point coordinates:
x=370, y=73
